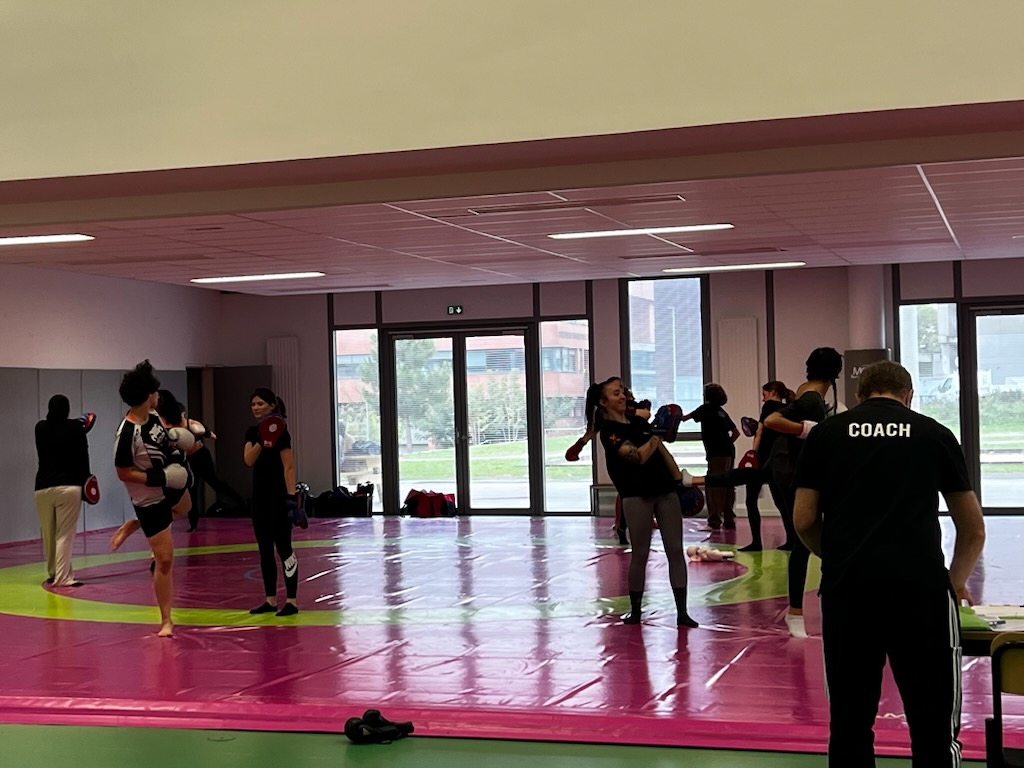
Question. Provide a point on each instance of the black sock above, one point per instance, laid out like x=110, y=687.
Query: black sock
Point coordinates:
x=683, y=618
x=635, y=601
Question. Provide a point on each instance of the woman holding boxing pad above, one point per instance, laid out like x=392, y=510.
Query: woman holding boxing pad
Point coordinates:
x=63, y=452
x=268, y=450
x=646, y=476
x=200, y=460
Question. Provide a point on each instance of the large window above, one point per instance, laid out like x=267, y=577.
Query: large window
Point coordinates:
x=565, y=358
x=666, y=352
x=358, y=407
x=929, y=349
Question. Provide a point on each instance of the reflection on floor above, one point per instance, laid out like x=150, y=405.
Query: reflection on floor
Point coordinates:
x=488, y=627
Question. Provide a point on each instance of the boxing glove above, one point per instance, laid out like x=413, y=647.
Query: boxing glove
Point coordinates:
x=87, y=420
x=91, y=490
x=180, y=438
x=173, y=476
x=748, y=459
x=573, y=453
x=199, y=430
x=296, y=506
x=808, y=426
x=271, y=429
x=749, y=425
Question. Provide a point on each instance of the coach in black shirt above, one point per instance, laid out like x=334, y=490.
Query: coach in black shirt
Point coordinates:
x=868, y=483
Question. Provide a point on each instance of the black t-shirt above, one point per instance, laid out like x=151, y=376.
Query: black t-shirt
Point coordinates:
x=716, y=430
x=268, y=471
x=768, y=436
x=879, y=469
x=810, y=406
x=652, y=478
x=63, y=453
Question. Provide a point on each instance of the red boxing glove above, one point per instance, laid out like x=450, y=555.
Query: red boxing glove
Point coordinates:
x=749, y=459
x=271, y=429
x=573, y=453
x=87, y=420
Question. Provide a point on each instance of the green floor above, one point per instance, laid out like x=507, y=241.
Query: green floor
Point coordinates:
x=44, y=746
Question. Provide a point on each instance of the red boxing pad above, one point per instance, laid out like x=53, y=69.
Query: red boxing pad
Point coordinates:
x=271, y=429
x=91, y=490
x=748, y=459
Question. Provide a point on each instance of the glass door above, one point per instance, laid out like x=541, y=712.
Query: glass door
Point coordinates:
x=999, y=387
x=496, y=437
x=462, y=418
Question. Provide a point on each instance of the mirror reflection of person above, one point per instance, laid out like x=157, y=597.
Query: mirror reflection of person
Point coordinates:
x=63, y=451
x=273, y=481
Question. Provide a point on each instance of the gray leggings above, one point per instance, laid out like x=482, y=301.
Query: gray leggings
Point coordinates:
x=640, y=513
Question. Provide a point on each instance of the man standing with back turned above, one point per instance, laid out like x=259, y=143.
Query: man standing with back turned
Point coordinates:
x=868, y=485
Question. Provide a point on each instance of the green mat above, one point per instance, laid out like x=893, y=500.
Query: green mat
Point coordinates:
x=45, y=746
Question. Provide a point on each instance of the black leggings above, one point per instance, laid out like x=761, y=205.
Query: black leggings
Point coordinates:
x=202, y=466
x=273, y=529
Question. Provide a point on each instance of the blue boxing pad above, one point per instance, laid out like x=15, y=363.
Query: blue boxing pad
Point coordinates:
x=666, y=422
x=691, y=500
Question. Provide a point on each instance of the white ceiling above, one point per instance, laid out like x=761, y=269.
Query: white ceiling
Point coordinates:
x=933, y=212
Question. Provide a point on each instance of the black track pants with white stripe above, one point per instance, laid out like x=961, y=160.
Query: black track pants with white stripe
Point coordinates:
x=922, y=644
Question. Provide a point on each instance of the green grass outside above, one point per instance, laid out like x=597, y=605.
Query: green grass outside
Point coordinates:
x=500, y=461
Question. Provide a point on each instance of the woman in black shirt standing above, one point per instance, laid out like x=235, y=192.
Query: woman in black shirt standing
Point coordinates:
x=63, y=452
x=646, y=477
x=269, y=453
x=719, y=434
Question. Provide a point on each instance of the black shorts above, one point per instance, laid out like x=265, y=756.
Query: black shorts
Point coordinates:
x=174, y=495
x=155, y=518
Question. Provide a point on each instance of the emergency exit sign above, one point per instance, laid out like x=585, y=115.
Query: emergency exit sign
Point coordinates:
x=454, y=309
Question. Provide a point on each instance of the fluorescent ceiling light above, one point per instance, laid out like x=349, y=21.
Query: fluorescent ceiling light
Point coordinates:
x=642, y=231
x=736, y=267
x=253, y=278
x=41, y=239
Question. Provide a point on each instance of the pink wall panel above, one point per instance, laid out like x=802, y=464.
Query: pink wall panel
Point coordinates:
x=927, y=280
x=560, y=299
x=811, y=310
x=735, y=295
x=354, y=308
x=1003, y=277
x=52, y=319
x=482, y=302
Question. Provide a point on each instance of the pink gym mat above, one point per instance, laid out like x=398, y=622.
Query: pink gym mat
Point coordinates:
x=503, y=627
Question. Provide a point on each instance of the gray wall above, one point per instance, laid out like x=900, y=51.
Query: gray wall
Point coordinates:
x=26, y=392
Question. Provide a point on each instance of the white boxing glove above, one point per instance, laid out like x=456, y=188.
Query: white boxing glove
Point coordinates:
x=181, y=438
x=808, y=426
x=175, y=477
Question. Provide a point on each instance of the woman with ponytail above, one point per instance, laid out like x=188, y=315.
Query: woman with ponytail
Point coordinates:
x=268, y=450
